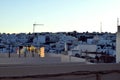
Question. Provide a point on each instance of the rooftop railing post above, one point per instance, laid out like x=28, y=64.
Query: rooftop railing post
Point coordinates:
x=98, y=76
x=19, y=52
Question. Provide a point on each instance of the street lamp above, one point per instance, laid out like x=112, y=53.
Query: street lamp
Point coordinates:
x=36, y=25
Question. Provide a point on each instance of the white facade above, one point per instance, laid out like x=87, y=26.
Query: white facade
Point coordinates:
x=83, y=48
x=86, y=47
x=41, y=39
x=118, y=46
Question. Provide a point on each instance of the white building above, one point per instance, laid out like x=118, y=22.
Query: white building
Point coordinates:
x=82, y=48
x=38, y=40
x=41, y=39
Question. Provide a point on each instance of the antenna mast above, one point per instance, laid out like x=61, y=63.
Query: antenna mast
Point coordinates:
x=101, y=27
x=117, y=21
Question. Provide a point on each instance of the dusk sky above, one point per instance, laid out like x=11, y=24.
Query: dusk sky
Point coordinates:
x=59, y=15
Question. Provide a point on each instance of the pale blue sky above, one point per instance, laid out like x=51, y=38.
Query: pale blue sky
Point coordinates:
x=58, y=15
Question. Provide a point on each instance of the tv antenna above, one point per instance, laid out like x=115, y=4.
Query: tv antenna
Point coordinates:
x=36, y=25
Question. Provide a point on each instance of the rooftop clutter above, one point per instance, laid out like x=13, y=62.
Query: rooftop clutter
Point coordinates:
x=55, y=42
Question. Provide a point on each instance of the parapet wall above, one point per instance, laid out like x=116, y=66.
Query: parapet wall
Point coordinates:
x=14, y=55
x=36, y=59
x=28, y=59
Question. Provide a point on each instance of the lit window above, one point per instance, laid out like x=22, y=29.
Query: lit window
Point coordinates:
x=42, y=53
